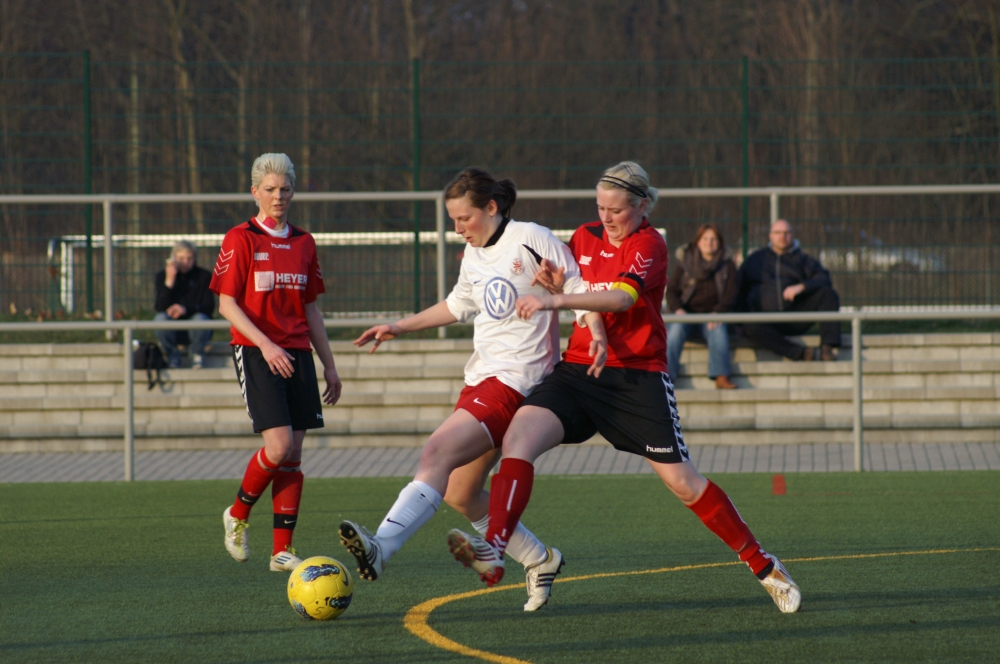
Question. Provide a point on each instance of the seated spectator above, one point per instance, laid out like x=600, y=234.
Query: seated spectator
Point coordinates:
x=182, y=294
x=782, y=277
x=703, y=282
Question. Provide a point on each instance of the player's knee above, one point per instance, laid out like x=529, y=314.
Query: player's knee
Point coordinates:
x=463, y=500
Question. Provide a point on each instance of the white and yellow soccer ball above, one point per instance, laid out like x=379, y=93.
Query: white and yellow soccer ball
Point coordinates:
x=320, y=588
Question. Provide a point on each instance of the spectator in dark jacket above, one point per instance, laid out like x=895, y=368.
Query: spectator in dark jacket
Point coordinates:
x=703, y=282
x=182, y=294
x=781, y=277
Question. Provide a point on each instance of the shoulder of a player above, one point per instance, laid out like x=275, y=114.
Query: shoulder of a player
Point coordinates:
x=300, y=235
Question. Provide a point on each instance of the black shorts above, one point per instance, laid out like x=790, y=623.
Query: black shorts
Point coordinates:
x=274, y=401
x=634, y=410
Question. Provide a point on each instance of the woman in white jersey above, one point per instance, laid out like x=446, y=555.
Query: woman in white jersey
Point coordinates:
x=512, y=355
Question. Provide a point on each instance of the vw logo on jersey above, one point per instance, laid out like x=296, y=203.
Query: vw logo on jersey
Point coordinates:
x=500, y=296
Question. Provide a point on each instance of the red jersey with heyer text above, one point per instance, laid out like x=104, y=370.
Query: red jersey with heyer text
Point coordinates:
x=272, y=279
x=637, y=338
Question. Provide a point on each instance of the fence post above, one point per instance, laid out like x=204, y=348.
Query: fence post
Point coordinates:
x=858, y=394
x=88, y=180
x=415, y=99
x=129, y=407
x=441, y=256
x=109, y=274
x=745, y=94
x=775, y=210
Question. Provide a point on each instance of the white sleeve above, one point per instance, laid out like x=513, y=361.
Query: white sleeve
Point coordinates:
x=549, y=246
x=460, y=302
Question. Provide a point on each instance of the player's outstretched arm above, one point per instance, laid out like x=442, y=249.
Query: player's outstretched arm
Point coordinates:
x=321, y=342
x=611, y=300
x=276, y=357
x=436, y=316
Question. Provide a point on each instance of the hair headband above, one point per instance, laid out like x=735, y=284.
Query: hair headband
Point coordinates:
x=624, y=184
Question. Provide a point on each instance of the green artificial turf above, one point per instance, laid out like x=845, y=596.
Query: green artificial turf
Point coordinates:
x=112, y=572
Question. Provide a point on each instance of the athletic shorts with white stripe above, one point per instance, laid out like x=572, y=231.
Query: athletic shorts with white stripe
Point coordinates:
x=634, y=410
x=274, y=401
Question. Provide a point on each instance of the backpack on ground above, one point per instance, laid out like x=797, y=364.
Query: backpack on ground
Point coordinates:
x=148, y=356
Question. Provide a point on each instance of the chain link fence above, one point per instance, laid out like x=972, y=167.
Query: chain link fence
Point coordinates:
x=72, y=125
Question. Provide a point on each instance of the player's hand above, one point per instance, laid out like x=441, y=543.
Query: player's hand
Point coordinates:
x=598, y=351
x=331, y=395
x=279, y=360
x=175, y=311
x=549, y=277
x=378, y=334
x=527, y=305
x=681, y=312
x=713, y=325
x=793, y=292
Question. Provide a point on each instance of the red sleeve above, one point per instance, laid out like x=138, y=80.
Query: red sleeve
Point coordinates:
x=232, y=265
x=314, y=284
x=647, y=261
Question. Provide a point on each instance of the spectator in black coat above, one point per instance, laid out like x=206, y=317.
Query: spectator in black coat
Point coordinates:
x=781, y=277
x=182, y=293
x=703, y=282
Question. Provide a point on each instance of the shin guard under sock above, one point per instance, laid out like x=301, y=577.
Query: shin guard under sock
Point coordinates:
x=510, y=492
x=416, y=504
x=259, y=473
x=286, y=495
x=719, y=515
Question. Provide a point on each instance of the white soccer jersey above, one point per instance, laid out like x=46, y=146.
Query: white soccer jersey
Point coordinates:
x=519, y=353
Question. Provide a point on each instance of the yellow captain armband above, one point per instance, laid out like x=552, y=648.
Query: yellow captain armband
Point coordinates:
x=621, y=285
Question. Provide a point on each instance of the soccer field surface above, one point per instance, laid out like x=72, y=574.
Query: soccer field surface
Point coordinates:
x=893, y=567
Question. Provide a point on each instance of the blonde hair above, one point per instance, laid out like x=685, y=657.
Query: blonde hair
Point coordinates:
x=272, y=162
x=634, y=181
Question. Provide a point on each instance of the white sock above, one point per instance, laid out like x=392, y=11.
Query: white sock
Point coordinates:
x=416, y=504
x=523, y=547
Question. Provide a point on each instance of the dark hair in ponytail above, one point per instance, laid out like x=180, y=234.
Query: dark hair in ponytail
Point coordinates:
x=481, y=188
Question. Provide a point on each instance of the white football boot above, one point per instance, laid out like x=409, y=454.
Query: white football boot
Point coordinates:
x=538, y=579
x=475, y=552
x=285, y=561
x=364, y=547
x=782, y=589
x=237, y=540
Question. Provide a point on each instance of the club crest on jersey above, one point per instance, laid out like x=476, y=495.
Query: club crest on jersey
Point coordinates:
x=517, y=267
x=499, y=297
x=263, y=281
x=260, y=256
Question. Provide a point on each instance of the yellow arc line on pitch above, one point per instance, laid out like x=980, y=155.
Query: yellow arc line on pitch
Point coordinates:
x=416, y=618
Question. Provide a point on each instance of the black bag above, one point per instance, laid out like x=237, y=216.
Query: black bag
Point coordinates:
x=149, y=357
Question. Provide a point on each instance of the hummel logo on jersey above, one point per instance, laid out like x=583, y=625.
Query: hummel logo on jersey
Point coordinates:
x=476, y=400
x=585, y=260
x=281, y=246
x=606, y=254
x=641, y=265
x=223, y=256
x=660, y=450
x=260, y=256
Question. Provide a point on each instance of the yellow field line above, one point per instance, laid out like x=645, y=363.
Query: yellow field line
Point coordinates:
x=416, y=618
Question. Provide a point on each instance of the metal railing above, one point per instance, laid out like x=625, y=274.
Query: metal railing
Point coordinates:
x=774, y=194
x=856, y=318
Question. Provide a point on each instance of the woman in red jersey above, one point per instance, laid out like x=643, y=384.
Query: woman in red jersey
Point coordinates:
x=268, y=278
x=623, y=261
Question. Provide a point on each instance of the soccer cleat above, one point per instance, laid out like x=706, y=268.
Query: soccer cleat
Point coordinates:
x=538, y=579
x=237, y=540
x=364, y=547
x=285, y=561
x=477, y=553
x=782, y=589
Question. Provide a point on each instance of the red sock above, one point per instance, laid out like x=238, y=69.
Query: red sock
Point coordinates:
x=286, y=494
x=258, y=475
x=719, y=515
x=510, y=492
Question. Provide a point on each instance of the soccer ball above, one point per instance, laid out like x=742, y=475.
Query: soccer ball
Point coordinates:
x=320, y=588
